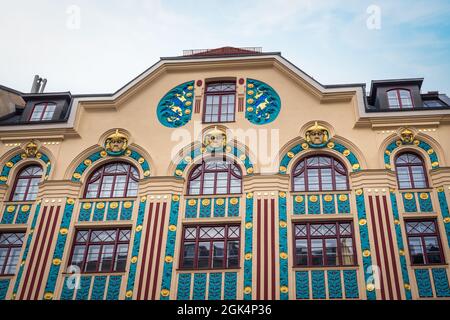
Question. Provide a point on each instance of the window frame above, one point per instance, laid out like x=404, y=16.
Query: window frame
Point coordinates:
x=88, y=243
x=399, y=99
x=333, y=173
x=129, y=176
x=211, y=243
x=46, y=105
x=437, y=234
x=29, y=178
x=229, y=171
x=308, y=239
x=9, y=247
x=409, y=166
x=220, y=94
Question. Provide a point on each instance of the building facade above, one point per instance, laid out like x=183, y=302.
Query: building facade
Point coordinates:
x=226, y=174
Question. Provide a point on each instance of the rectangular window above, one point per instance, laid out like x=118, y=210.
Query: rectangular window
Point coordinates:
x=220, y=102
x=43, y=112
x=324, y=244
x=101, y=250
x=424, y=242
x=10, y=247
x=210, y=247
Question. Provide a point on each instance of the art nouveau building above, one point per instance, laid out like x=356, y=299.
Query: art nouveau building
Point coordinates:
x=226, y=174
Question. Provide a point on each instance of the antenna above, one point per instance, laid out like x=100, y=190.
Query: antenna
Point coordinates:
x=38, y=84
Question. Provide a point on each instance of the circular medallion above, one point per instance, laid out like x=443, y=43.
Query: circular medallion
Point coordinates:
x=283, y=169
x=9, y=164
x=407, y=286
x=206, y=202
x=401, y=252
x=139, y=228
x=134, y=260
x=284, y=289
x=387, y=152
x=397, y=222
x=87, y=162
x=48, y=296
x=143, y=198
x=168, y=259
x=290, y=154
x=328, y=198
x=250, y=170
x=11, y=209
x=76, y=175
x=282, y=194
x=299, y=199
x=129, y=294
x=179, y=173
x=234, y=201
x=141, y=160
x=366, y=253
x=359, y=192
x=172, y=228
x=283, y=224
x=424, y=196
x=435, y=164
x=331, y=145
x=25, y=208
x=346, y=153
x=127, y=204
x=248, y=225
x=283, y=255
x=249, y=195
x=103, y=154
x=3, y=178
x=56, y=262
x=70, y=201
x=100, y=205
x=192, y=202
x=305, y=146
x=362, y=222
x=370, y=287
x=356, y=166
x=409, y=196
x=165, y=292
x=147, y=173
x=86, y=206
x=175, y=198
x=220, y=202
x=248, y=256
x=248, y=290
x=114, y=205
x=313, y=199
x=343, y=197
x=430, y=151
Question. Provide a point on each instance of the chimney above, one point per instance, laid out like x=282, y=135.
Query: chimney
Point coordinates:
x=38, y=84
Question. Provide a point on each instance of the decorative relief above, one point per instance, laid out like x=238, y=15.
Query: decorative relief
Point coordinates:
x=116, y=144
x=317, y=136
x=31, y=149
x=175, y=108
x=407, y=136
x=215, y=139
x=263, y=102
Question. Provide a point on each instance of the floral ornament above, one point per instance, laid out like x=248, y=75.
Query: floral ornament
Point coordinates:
x=407, y=136
x=263, y=102
x=317, y=136
x=175, y=108
x=116, y=144
x=31, y=149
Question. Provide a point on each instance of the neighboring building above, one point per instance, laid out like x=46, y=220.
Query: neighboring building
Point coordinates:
x=226, y=174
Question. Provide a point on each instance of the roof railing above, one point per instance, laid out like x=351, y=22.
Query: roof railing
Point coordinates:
x=201, y=51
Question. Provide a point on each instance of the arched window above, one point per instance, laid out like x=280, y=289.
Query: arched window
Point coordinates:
x=113, y=180
x=215, y=176
x=400, y=99
x=320, y=173
x=26, y=184
x=411, y=171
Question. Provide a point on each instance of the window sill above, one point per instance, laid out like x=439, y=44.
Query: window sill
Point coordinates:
x=121, y=273
x=215, y=196
x=207, y=270
x=307, y=268
x=428, y=266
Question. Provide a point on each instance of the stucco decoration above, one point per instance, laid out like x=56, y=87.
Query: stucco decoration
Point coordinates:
x=175, y=108
x=31, y=149
x=263, y=102
x=407, y=136
x=18, y=158
x=116, y=144
x=317, y=136
x=388, y=161
x=215, y=139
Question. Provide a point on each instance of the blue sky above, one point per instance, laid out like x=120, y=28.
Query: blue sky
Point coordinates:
x=116, y=40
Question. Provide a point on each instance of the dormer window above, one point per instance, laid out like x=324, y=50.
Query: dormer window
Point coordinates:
x=220, y=100
x=43, y=111
x=400, y=99
x=434, y=104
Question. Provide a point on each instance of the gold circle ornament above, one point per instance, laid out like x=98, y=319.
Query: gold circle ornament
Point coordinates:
x=234, y=201
x=441, y=189
x=176, y=198
x=139, y=228
x=343, y=197
x=283, y=224
x=3, y=178
x=165, y=292
x=388, y=166
x=179, y=173
x=103, y=154
x=250, y=101
x=220, y=202
x=9, y=164
x=147, y=173
x=282, y=194
x=356, y=166
x=447, y=220
x=134, y=260
x=128, y=153
x=141, y=160
x=11, y=209
x=23, y=156
x=359, y=192
x=250, y=92
x=284, y=289
x=76, y=175
x=250, y=170
x=399, y=143
x=127, y=204
x=38, y=155
x=366, y=253
x=250, y=109
x=190, y=88
x=70, y=201
x=243, y=157
x=435, y=164
x=188, y=159
x=25, y=208
x=143, y=198
x=48, y=296
x=168, y=259
x=283, y=169
x=416, y=142
x=248, y=256
x=305, y=146
x=187, y=111
x=397, y=222
x=248, y=225
x=370, y=287
x=249, y=195
x=290, y=154
x=88, y=162
x=100, y=205
x=248, y=290
x=299, y=199
x=172, y=228
x=87, y=206
x=192, y=202
x=402, y=252
x=313, y=199
x=430, y=151
x=283, y=255
x=23, y=262
x=114, y=205
x=407, y=286
x=388, y=152
x=250, y=85
x=409, y=196
x=331, y=145
x=228, y=149
x=56, y=262
x=362, y=222
x=328, y=198
x=129, y=294
x=189, y=94
x=188, y=103
x=346, y=153
x=206, y=202
x=424, y=196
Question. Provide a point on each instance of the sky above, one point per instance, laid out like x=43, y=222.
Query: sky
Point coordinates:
x=97, y=46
